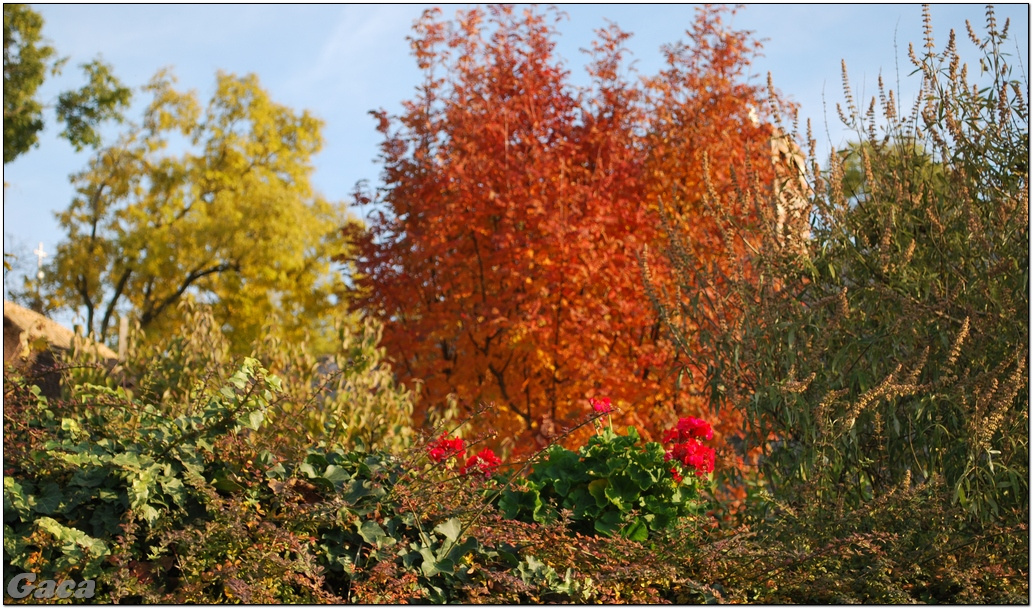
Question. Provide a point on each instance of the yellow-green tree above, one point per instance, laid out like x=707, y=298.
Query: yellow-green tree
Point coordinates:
x=213, y=204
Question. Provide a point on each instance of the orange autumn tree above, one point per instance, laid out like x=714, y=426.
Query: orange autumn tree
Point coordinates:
x=503, y=252
x=708, y=139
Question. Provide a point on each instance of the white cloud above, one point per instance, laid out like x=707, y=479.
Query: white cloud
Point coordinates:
x=364, y=40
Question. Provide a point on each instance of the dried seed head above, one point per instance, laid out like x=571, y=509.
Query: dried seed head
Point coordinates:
x=908, y=253
x=959, y=340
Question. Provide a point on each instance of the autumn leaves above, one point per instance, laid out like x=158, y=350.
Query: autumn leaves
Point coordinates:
x=515, y=207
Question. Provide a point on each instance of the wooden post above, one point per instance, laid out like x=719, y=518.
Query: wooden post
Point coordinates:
x=123, y=336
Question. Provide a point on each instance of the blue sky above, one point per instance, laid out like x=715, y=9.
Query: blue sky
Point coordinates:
x=340, y=61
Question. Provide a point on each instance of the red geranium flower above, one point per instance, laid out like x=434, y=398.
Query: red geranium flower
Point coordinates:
x=601, y=405
x=688, y=450
x=692, y=454
x=485, y=461
x=691, y=427
x=688, y=428
x=444, y=447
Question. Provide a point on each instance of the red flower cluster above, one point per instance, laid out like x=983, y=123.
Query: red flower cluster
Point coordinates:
x=687, y=449
x=443, y=448
x=688, y=428
x=486, y=462
x=601, y=405
x=692, y=454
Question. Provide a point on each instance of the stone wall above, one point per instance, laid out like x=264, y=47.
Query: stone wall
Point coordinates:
x=33, y=343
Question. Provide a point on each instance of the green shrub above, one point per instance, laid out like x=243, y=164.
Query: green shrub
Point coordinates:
x=895, y=345
x=197, y=508
x=105, y=466
x=610, y=485
x=344, y=398
x=347, y=398
x=882, y=364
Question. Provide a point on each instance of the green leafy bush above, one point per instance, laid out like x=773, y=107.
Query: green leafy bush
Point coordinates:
x=105, y=467
x=198, y=508
x=610, y=485
x=347, y=397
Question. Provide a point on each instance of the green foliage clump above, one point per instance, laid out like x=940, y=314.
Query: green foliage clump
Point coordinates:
x=82, y=477
x=349, y=397
x=25, y=67
x=342, y=399
x=609, y=486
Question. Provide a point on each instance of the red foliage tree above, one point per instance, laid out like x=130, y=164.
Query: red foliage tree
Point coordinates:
x=504, y=253
x=706, y=141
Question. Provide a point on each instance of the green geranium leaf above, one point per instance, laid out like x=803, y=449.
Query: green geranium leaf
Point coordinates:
x=515, y=503
x=598, y=490
x=623, y=492
x=608, y=522
x=643, y=477
x=636, y=530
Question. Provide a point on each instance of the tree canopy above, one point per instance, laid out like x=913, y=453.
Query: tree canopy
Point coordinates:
x=515, y=206
x=28, y=58
x=211, y=203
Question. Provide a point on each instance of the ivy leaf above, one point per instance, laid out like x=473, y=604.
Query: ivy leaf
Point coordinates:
x=357, y=490
x=49, y=498
x=336, y=476
x=430, y=565
x=371, y=532
x=450, y=529
x=223, y=480
x=79, y=547
x=16, y=495
x=308, y=469
x=254, y=419
x=176, y=490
